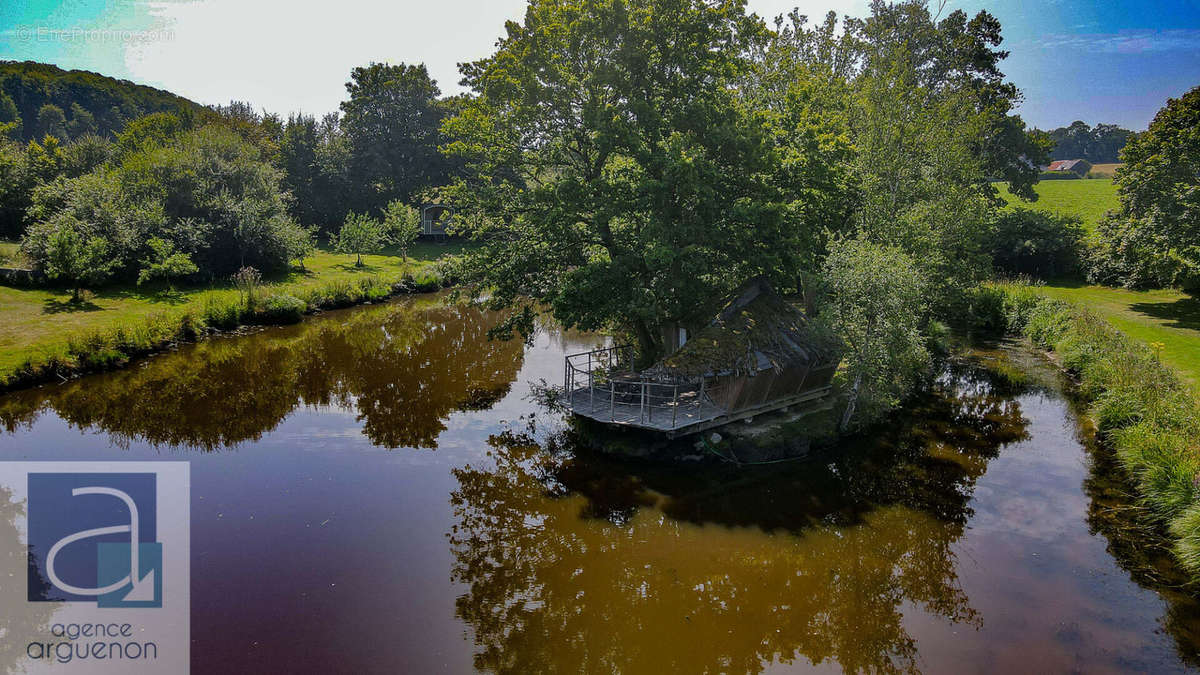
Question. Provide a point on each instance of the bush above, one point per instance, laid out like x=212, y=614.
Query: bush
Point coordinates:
x=1027, y=242
x=205, y=195
x=986, y=311
x=281, y=308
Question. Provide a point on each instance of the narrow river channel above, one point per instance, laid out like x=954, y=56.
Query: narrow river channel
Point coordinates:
x=374, y=491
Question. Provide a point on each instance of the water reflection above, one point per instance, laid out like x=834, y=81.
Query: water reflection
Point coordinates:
x=1140, y=545
x=667, y=557
x=402, y=367
x=21, y=619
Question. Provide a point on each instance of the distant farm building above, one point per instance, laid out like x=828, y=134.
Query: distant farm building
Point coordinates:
x=1079, y=167
x=755, y=356
x=435, y=218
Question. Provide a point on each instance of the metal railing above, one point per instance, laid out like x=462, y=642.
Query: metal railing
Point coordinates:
x=602, y=384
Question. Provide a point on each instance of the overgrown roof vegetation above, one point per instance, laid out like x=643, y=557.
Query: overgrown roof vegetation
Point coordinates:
x=757, y=329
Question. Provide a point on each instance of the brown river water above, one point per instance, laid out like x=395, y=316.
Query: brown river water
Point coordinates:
x=374, y=490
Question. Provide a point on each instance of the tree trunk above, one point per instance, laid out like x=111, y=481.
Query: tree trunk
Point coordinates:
x=851, y=401
x=649, y=349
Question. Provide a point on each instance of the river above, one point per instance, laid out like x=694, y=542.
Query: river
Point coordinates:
x=373, y=490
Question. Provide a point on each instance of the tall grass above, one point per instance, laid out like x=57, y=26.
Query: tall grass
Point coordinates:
x=1141, y=407
x=106, y=349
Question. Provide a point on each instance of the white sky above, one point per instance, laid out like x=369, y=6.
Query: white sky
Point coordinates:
x=1114, y=61
x=286, y=56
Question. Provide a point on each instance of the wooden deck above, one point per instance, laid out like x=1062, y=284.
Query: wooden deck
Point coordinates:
x=669, y=418
x=688, y=417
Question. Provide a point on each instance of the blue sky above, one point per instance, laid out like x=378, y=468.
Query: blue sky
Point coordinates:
x=1114, y=62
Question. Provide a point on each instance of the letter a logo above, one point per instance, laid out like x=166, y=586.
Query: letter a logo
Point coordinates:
x=92, y=538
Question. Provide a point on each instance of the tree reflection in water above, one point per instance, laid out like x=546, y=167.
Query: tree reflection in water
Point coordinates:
x=577, y=563
x=21, y=621
x=403, y=367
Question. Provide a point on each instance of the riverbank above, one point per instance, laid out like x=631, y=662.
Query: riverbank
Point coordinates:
x=1142, y=407
x=1166, y=316
x=44, y=337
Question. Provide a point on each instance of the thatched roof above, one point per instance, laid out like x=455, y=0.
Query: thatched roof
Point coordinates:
x=755, y=330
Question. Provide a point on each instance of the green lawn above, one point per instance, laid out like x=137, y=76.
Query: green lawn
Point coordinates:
x=1168, y=317
x=1086, y=198
x=1164, y=316
x=37, y=320
x=10, y=254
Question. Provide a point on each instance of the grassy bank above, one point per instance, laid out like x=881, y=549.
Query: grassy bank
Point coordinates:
x=1087, y=198
x=44, y=336
x=1168, y=317
x=1142, y=407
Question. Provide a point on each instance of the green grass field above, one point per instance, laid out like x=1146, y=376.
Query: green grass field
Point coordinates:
x=1167, y=317
x=38, y=320
x=1086, y=198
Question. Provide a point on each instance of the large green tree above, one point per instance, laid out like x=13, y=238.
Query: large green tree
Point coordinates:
x=616, y=176
x=391, y=121
x=1155, y=239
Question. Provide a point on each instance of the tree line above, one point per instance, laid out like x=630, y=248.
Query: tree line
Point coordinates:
x=198, y=192
x=1101, y=144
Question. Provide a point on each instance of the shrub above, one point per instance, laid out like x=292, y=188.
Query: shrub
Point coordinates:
x=426, y=281
x=986, y=310
x=1023, y=241
x=281, y=308
x=222, y=314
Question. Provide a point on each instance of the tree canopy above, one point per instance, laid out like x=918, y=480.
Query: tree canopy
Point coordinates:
x=81, y=102
x=622, y=181
x=1155, y=238
x=391, y=123
x=1101, y=144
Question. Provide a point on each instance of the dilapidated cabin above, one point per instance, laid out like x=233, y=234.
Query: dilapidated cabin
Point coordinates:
x=757, y=355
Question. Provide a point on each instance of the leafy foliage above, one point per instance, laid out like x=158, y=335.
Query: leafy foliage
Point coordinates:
x=1155, y=239
x=360, y=234
x=202, y=194
x=165, y=263
x=78, y=259
x=622, y=183
x=877, y=306
x=1035, y=243
x=402, y=223
x=391, y=124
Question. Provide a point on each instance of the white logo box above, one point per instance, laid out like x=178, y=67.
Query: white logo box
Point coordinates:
x=36, y=637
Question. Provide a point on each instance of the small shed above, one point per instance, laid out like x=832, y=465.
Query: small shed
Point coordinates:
x=758, y=354
x=435, y=218
x=1079, y=167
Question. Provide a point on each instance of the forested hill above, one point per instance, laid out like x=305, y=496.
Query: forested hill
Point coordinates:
x=72, y=103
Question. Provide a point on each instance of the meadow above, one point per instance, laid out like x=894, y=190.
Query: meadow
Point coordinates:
x=1087, y=198
x=40, y=323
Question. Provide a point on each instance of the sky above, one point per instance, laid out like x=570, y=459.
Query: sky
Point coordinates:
x=1111, y=61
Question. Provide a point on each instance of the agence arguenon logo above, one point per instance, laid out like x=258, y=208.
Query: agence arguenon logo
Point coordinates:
x=107, y=565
